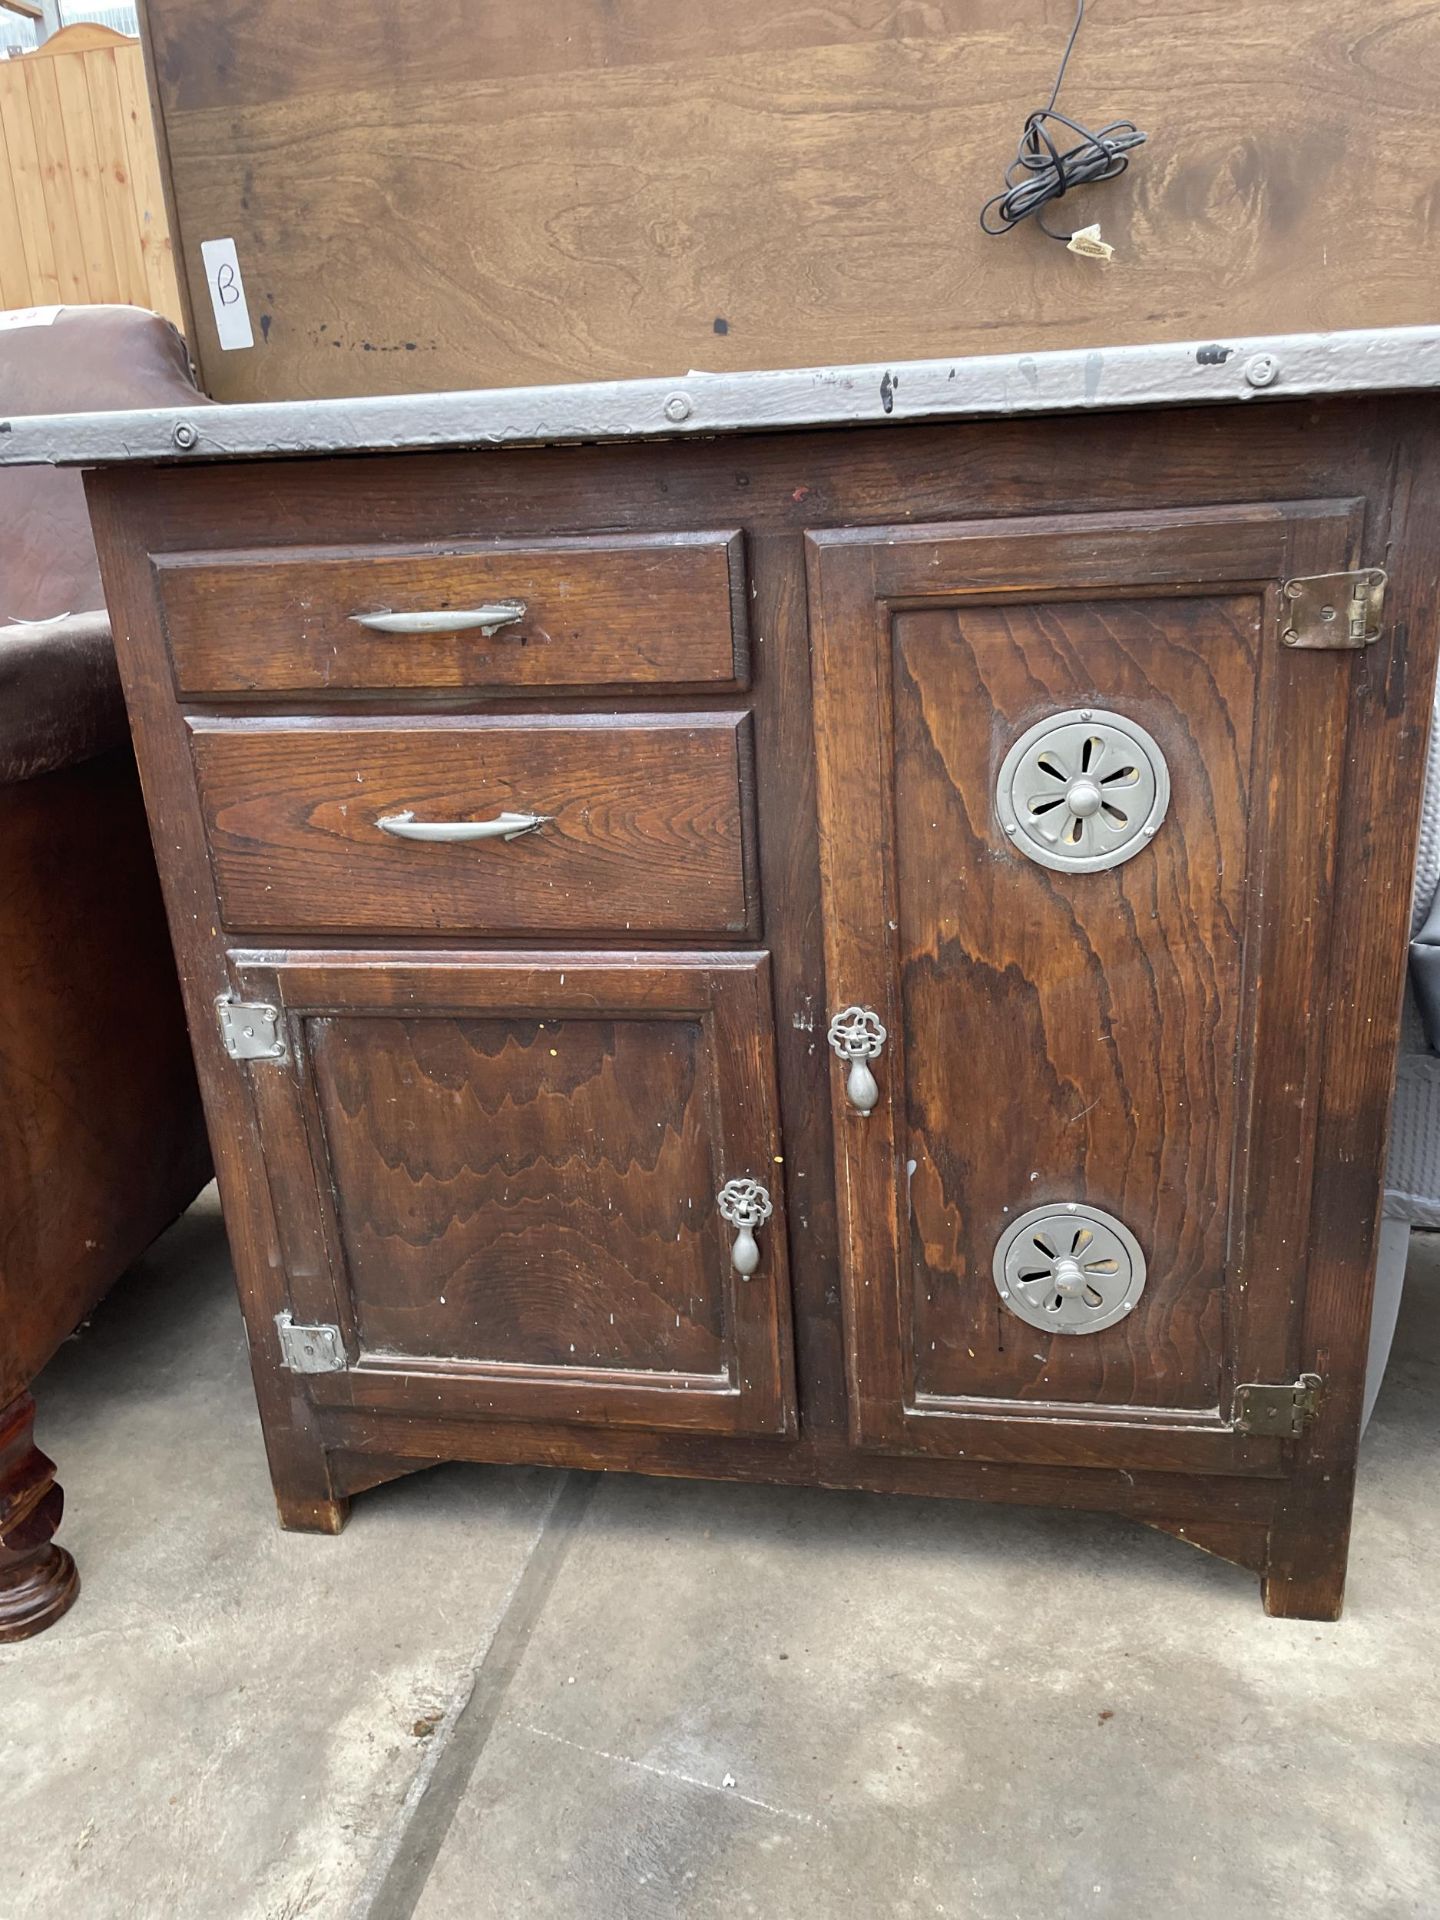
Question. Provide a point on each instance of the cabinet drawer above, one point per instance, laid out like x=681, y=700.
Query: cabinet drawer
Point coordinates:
x=643, y=824
x=646, y=610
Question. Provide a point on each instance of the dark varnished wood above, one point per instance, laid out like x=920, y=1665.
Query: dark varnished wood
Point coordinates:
x=646, y=828
x=1133, y=1109
x=38, y=1581
x=1060, y=1037
x=646, y=611
x=1180, y=613
x=522, y=1156
x=102, y=1141
x=1390, y=688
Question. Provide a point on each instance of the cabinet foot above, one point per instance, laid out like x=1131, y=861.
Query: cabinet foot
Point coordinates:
x=1305, y=1573
x=301, y=1515
x=38, y=1581
x=1318, y=1596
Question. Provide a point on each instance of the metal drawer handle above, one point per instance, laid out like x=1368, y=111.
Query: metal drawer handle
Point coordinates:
x=857, y=1035
x=745, y=1204
x=506, y=826
x=490, y=618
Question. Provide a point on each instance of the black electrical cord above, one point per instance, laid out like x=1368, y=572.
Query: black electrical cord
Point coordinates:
x=1040, y=172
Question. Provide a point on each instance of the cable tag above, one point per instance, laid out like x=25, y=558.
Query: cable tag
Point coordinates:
x=1087, y=241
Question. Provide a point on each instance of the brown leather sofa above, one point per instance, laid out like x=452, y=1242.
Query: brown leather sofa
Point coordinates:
x=102, y=1142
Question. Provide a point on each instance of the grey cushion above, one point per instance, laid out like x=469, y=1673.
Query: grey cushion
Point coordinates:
x=1425, y=972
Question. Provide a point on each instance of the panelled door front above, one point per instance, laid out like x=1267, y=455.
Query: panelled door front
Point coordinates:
x=1078, y=806
x=518, y=1184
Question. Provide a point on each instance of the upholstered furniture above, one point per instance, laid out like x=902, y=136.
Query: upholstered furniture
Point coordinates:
x=102, y=1140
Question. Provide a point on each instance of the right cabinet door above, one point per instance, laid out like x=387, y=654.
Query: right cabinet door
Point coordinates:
x=1079, y=801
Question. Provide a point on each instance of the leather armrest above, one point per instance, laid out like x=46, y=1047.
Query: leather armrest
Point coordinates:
x=73, y=360
x=60, y=698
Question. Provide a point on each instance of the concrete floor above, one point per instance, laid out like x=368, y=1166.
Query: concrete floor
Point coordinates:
x=510, y=1693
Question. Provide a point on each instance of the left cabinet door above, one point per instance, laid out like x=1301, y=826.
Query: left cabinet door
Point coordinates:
x=498, y=1176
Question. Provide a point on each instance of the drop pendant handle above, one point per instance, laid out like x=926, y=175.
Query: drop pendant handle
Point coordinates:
x=745, y=1205
x=858, y=1035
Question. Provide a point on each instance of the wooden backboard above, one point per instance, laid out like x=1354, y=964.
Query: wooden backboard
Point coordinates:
x=457, y=195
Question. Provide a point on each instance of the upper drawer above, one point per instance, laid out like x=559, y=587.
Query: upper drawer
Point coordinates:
x=623, y=610
x=635, y=823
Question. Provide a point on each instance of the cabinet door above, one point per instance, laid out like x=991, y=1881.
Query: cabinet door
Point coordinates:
x=1076, y=1217
x=499, y=1176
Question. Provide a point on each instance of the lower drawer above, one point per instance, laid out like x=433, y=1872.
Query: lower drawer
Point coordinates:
x=586, y=824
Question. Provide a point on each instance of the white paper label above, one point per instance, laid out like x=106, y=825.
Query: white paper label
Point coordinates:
x=227, y=293
x=29, y=317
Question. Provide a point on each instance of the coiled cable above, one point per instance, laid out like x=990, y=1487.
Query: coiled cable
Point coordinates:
x=1042, y=172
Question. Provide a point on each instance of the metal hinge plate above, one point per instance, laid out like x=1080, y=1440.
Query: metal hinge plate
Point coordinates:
x=250, y=1030
x=1330, y=611
x=1282, y=1411
x=309, y=1349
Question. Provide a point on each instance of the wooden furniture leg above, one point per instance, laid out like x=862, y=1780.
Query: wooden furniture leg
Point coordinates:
x=299, y=1514
x=38, y=1581
x=1310, y=1544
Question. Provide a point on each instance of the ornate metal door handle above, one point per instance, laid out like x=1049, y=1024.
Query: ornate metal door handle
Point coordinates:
x=746, y=1205
x=857, y=1035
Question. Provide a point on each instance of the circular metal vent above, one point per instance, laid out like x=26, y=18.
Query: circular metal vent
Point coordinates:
x=1083, y=790
x=1069, y=1269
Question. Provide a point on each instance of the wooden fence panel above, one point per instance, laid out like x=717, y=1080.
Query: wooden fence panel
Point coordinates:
x=22, y=159
x=82, y=211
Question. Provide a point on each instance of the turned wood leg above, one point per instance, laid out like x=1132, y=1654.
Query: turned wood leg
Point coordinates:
x=38, y=1581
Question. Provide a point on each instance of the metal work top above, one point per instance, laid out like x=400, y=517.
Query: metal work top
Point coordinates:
x=1076, y=380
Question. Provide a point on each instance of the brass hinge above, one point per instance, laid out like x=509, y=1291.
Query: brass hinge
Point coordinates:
x=317, y=1349
x=1283, y=1411
x=1330, y=611
x=250, y=1029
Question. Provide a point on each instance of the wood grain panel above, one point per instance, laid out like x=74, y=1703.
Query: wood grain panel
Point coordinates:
x=509, y=1167
x=450, y=199
x=1095, y=1016
x=632, y=610
x=1085, y=1037
x=157, y=245
x=14, y=269
x=1391, y=692
x=647, y=829
x=86, y=195
x=120, y=206
x=27, y=181
x=525, y=1190
x=82, y=212
x=62, y=213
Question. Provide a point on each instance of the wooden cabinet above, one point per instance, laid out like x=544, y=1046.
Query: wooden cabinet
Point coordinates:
x=978, y=850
